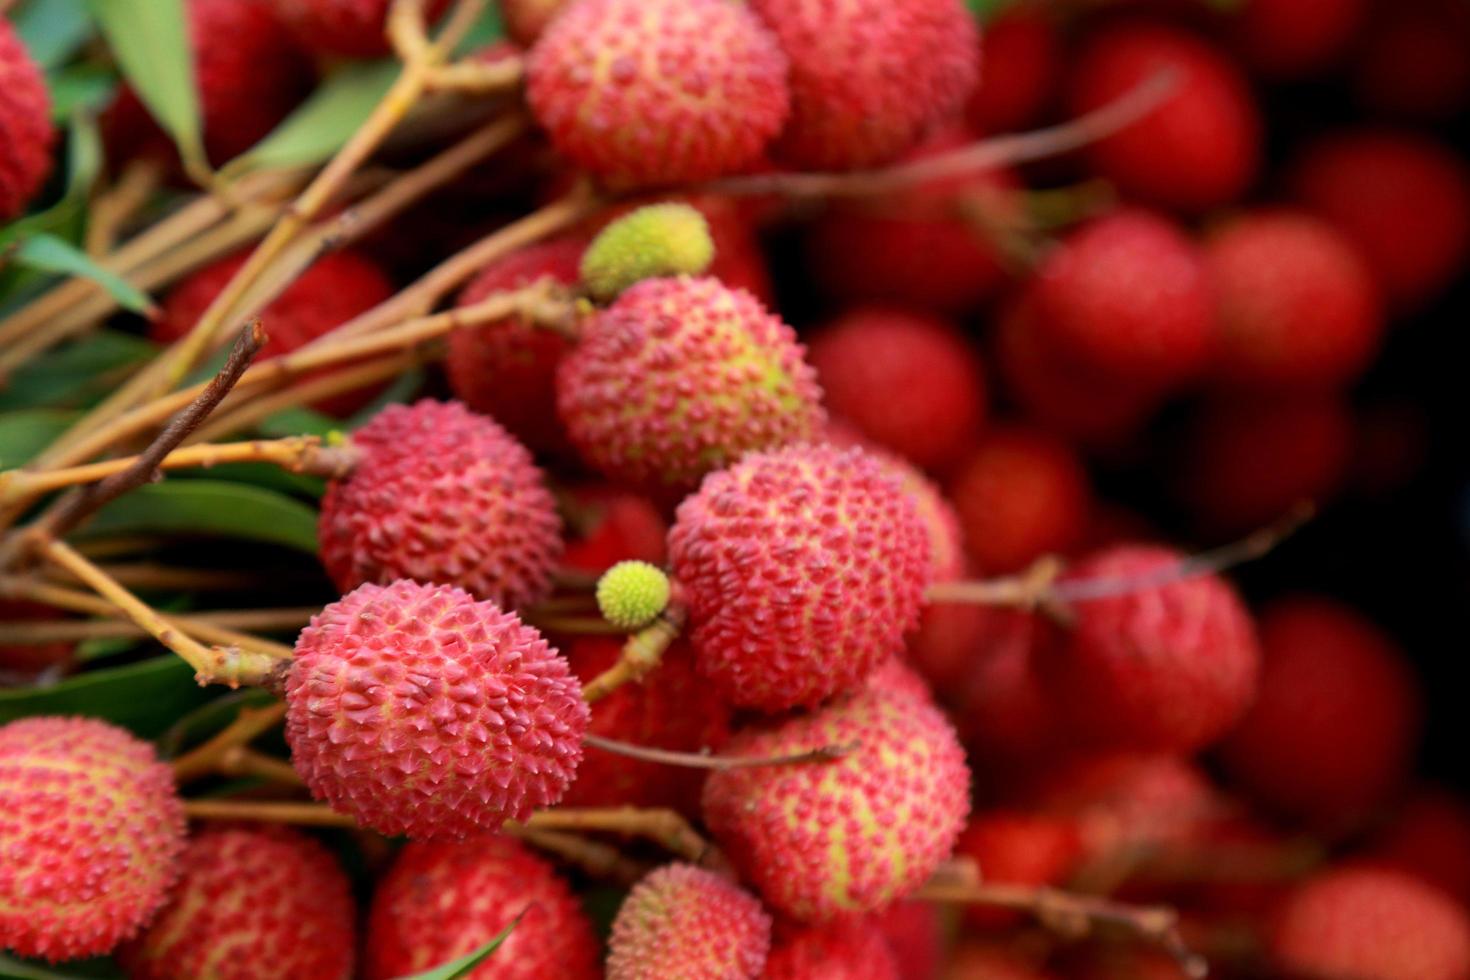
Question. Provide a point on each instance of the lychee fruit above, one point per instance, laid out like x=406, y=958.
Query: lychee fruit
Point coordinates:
x=526, y=20
x=1021, y=59
x=439, y=494
x=1402, y=198
x=1333, y=730
x=1020, y=494
x=801, y=569
x=844, y=949
x=420, y=711
x=351, y=28
x=444, y=900
x=824, y=839
x=673, y=708
x=1200, y=147
x=30, y=658
x=1429, y=838
x=1014, y=847
x=683, y=376
x=658, y=91
x=91, y=830
x=507, y=369
x=1170, y=667
x=609, y=525
x=1289, y=38
x=1297, y=305
x=26, y=133
x=681, y=922
x=917, y=934
x=1361, y=922
x=252, y=902
x=909, y=381
x=870, y=77
x=669, y=239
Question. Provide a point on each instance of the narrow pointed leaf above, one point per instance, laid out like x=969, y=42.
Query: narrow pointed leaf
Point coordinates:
x=48, y=253
x=455, y=969
x=324, y=122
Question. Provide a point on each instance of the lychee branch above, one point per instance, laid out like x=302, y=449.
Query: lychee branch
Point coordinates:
x=247, y=725
x=694, y=760
x=215, y=627
x=115, y=207
x=600, y=860
x=641, y=654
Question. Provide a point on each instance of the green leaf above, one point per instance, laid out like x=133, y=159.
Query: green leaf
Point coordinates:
x=47, y=253
x=80, y=88
x=150, y=41
x=53, y=29
x=455, y=969
x=210, y=508
x=84, y=163
x=324, y=122
x=486, y=30
x=77, y=374
x=267, y=475
x=25, y=433
x=145, y=696
x=298, y=422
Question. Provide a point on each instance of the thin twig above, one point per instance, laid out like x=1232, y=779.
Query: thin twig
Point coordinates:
x=35, y=632
x=641, y=654
x=246, y=726
x=591, y=856
x=112, y=209
x=695, y=760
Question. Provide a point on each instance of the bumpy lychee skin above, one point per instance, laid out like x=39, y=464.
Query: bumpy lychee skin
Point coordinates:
x=845, y=949
x=683, y=376
x=1200, y=148
x=870, y=77
x=1333, y=729
x=831, y=838
x=90, y=834
x=507, y=369
x=1127, y=296
x=682, y=921
x=252, y=903
x=1298, y=306
x=1019, y=848
x=440, y=901
x=440, y=494
x=658, y=91
x=420, y=711
x=802, y=569
x=1168, y=667
x=354, y=28
x=26, y=133
x=1359, y=922
x=908, y=381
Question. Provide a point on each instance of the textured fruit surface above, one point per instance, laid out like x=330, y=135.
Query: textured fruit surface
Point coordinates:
x=1352, y=922
x=355, y=28
x=682, y=921
x=609, y=525
x=657, y=240
x=441, y=495
x=847, y=949
x=1402, y=198
x=658, y=91
x=673, y=708
x=632, y=593
x=90, y=834
x=1199, y=149
x=852, y=835
x=682, y=376
x=1170, y=666
x=1021, y=58
x=420, y=711
x=440, y=901
x=26, y=133
x=252, y=902
x=1127, y=296
x=507, y=369
x=802, y=570
x=1019, y=494
x=869, y=77
x=1334, y=727
x=909, y=381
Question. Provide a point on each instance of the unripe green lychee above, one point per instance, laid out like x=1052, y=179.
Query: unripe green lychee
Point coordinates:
x=658, y=240
x=632, y=593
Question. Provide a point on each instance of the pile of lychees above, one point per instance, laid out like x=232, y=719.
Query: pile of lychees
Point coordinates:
x=750, y=592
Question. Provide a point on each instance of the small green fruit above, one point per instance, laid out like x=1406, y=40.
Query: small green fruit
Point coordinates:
x=657, y=240
x=632, y=593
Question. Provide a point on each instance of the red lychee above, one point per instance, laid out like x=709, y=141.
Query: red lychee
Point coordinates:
x=1200, y=148
x=802, y=569
x=1402, y=198
x=682, y=922
x=27, y=658
x=682, y=376
x=526, y=20
x=611, y=525
x=916, y=933
x=995, y=959
x=1297, y=305
x=507, y=369
x=1169, y=667
x=870, y=77
x=1021, y=59
x=440, y=901
x=824, y=839
x=1351, y=922
x=420, y=711
x=1014, y=847
x=354, y=28
x=845, y=949
x=26, y=133
x=1292, y=38
x=1334, y=727
x=1429, y=838
x=252, y=903
x=909, y=381
x=90, y=834
x=1019, y=494
x=658, y=91
x=672, y=709
x=442, y=495
x=1002, y=706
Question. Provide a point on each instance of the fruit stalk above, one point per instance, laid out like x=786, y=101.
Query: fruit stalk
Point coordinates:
x=641, y=654
x=246, y=726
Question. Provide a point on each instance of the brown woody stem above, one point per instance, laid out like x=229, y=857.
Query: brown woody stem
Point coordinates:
x=695, y=760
